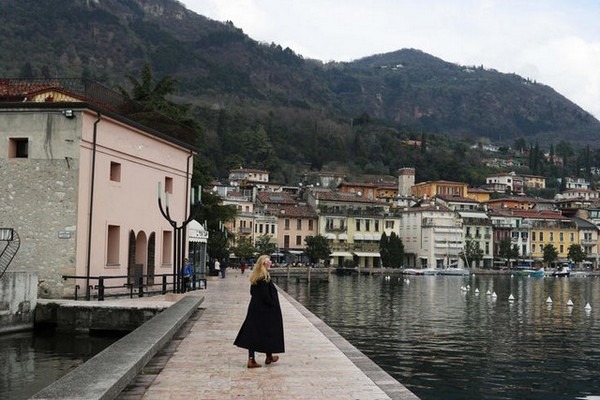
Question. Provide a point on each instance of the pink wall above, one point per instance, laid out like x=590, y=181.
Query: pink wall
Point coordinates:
x=131, y=202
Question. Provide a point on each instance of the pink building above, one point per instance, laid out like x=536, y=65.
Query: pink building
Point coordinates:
x=83, y=183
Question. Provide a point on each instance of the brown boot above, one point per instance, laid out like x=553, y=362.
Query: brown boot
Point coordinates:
x=271, y=359
x=253, y=364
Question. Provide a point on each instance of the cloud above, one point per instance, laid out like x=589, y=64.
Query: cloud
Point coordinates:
x=551, y=41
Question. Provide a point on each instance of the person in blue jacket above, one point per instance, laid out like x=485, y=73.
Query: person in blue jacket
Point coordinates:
x=186, y=273
x=262, y=330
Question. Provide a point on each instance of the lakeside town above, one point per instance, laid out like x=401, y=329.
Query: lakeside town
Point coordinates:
x=435, y=220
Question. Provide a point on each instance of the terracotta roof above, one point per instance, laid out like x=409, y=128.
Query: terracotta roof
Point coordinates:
x=296, y=212
x=275, y=198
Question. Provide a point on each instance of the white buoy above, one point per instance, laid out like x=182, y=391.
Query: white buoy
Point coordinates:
x=488, y=292
x=494, y=295
x=463, y=289
x=511, y=298
x=548, y=300
x=570, y=303
x=476, y=291
x=588, y=307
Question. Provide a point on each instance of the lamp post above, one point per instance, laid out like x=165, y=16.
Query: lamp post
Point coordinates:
x=178, y=232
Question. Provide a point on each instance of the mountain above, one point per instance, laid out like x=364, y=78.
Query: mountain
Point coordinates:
x=341, y=111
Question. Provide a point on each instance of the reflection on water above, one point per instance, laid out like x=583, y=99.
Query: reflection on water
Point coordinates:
x=30, y=362
x=444, y=340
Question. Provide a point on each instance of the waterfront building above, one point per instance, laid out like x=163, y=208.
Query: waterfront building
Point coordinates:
x=502, y=224
x=294, y=224
x=477, y=228
x=548, y=227
x=351, y=224
x=587, y=237
x=432, y=235
x=80, y=185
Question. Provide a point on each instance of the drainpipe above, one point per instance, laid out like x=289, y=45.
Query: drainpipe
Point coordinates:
x=187, y=204
x=91, y=210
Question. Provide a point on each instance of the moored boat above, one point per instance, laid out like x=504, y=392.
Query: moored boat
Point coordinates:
x=454, y=271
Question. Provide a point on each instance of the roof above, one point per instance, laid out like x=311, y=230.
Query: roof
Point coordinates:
x=297, y=212
x=275, y=198
x=83, y=94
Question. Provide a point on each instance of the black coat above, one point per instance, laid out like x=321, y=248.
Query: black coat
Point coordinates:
x=262, y=330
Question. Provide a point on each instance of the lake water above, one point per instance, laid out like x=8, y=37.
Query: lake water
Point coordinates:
x=443, y=340
x=30, y=362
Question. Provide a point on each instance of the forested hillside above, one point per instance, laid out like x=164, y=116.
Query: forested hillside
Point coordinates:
x=258, y=104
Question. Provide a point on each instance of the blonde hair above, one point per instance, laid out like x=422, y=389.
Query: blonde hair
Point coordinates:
x=260, y=272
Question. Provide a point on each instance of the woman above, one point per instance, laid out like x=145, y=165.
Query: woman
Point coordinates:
x=262, y=330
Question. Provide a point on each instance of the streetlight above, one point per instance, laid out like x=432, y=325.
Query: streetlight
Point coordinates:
x=178, y=232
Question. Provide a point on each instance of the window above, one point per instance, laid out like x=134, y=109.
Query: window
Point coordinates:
x=286, y=224
x=572, y=236
x=272, y=229
x=286, y=241
x=533, y=248
x=298, y=240
x=533, y=236
x=115, y=171
x=260, y=228
x=368, y=225
x=310, y=225
x=167, y=245
x=357, y=225
x=112, y=245
x=541, y=236
x=562, y=248
x=389, y=224
x=376, y=226
x=18, y=148
x=561, y=237
x=552, y=236
x=169, y=185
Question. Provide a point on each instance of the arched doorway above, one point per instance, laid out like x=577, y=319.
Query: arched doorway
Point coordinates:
x=151, y=258
x=138, y=256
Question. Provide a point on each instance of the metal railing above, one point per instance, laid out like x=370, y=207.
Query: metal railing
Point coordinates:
x=132, y=286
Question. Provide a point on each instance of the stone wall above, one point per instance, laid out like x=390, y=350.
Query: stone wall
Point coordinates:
x=39, y=203
x=18, y=300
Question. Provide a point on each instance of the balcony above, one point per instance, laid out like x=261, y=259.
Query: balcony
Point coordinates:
x=244, y=230
x=336, y=228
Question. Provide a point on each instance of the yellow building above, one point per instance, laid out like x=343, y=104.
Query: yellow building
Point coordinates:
x=443, y=188
x=549, y=227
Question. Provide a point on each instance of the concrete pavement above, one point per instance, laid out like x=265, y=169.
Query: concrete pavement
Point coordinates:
x=318, y=363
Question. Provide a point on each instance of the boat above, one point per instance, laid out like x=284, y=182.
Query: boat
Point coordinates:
x=454, y=271
x=562, y=272
x=420, y=271
x=537, y=273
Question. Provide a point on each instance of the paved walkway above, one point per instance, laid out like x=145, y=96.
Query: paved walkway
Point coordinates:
x=317, y=364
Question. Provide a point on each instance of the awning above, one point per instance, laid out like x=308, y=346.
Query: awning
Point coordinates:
x=366, y=254
x=329, y=236
x=340, y=254
x=296, y=252
x=359, y=236
x=343, y=236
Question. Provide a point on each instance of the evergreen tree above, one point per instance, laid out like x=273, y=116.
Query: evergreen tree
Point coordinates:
x=317, y=248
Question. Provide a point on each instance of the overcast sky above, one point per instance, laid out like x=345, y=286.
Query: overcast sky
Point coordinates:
x=554, y=42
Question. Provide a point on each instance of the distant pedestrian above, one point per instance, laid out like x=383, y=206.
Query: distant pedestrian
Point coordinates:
x=223, y=268
x=262, y=330
x=243, y=267
x=217, y=267
x=186, y=272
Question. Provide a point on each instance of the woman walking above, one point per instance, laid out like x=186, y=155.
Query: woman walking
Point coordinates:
x=262, y=330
